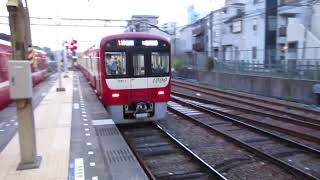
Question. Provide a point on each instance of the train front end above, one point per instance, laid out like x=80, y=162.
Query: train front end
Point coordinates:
x=135, y=77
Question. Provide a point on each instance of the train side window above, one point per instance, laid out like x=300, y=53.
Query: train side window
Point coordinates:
x=160, y=63
x=116, y=63
x=1, y=66
x=138, y=65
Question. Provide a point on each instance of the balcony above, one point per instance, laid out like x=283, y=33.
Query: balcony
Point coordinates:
x=198, y=31
x=290, y=8
x=288, y=2
x=292, y=55
x=198, y=46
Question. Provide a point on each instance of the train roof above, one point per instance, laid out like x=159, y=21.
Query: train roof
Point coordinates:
x=131, y=35
x=5, y=39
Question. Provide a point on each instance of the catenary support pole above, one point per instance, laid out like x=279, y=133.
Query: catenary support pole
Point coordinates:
x=59, y=57
x=65, y=61
x=20, y=40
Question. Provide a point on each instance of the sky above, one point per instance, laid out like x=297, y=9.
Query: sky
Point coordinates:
x=167, y=10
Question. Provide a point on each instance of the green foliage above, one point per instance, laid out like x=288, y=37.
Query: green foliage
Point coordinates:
x=287, y=98
x=177, y=63
x=210, y=63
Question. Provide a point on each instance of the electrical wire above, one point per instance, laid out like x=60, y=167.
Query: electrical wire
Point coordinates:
x=220, y=20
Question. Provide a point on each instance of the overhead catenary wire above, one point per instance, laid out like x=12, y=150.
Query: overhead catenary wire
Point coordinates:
x=255, y=13
x=73, y=25
x=220, y=20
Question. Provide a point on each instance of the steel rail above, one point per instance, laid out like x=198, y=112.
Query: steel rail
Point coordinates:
x=284, y=130
x=276, y=117
x=257, y=99
x=210, y=111
x=190, y=153
x=250, y=148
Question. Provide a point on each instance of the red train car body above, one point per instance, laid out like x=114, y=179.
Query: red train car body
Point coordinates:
x=39, y=70
x=131, y=74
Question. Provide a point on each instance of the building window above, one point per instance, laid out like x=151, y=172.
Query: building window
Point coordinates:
x=214, y=34
x=272, y=23
x=254, y=52
x=255, y=26
x=239, y=11
x=236, y=26
x=225, y=11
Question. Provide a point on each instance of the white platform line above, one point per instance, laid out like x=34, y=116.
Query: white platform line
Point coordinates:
x=79, y=169
x=103, y=122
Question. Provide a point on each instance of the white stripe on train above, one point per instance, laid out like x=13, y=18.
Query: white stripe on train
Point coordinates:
x=4, y=84
x=138, y=83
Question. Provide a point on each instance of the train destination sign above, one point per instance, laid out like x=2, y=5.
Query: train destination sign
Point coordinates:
x=131, y=42
x=125, y=42
x=150, y=43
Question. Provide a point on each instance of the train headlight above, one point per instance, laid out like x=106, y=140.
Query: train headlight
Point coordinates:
x=160, y=92
x=115, y=95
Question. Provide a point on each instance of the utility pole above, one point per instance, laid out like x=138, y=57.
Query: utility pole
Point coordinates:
x=65, y=62
x=59, y=57
x=211, y=34
x=26, y=128
x=308, y=13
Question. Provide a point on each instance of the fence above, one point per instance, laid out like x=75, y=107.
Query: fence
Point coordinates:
x=293, y=70
x=290, y=65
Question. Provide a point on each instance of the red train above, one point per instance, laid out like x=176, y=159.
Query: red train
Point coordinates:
x=39, y=69
x=131, y=74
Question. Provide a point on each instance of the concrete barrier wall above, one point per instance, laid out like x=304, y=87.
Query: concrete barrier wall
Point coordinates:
x=288, y=89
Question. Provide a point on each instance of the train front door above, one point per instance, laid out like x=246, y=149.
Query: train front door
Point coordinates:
x=139, y=81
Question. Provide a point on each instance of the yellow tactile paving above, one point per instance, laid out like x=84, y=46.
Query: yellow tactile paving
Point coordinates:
x=53, y=121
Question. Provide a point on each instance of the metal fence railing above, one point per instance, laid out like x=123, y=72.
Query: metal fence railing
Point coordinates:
x=287, y=62
x=309, y=70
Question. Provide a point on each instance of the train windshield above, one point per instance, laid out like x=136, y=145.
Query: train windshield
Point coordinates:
x=137, y=58
x=116, y=63
x=159, y=63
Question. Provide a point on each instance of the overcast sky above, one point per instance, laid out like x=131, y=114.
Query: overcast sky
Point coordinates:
x=167, y=10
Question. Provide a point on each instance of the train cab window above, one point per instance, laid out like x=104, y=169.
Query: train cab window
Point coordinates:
x=116, y=63
x=138, y=65
x=160, y=63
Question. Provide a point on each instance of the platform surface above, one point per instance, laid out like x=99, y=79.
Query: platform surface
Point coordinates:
x=53, y=122
x=76, y=139
x=96, y=141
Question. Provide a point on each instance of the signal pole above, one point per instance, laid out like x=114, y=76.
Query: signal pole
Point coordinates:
x=20, y=40
x=65, y=62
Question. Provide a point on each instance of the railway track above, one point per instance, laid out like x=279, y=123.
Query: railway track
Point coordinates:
x=302, y=160
x=301, y=131
x=271, y=107
x=164, y=157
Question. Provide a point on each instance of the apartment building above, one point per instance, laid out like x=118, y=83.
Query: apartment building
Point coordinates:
x=299, y=31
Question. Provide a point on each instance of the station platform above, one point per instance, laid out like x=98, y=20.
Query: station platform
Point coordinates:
x=76, y=139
